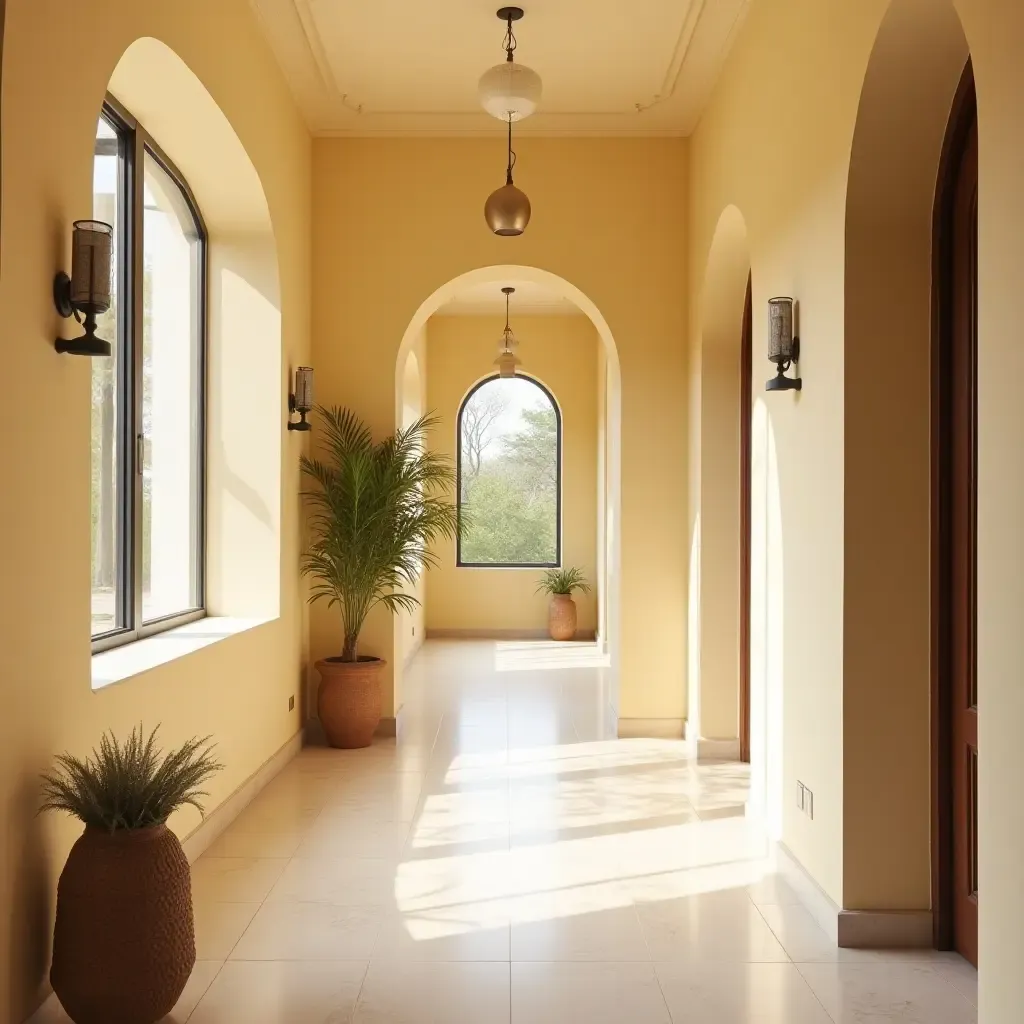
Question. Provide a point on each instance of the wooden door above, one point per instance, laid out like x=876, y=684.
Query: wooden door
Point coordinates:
x=955, y=502
x=746, y=400
x=963, y=563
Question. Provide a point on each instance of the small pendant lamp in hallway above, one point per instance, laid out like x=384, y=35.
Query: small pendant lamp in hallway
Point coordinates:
x=507, y=360
x=510, y=92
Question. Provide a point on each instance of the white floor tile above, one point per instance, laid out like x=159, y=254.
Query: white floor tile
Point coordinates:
x=597, y=993
x=508, y=859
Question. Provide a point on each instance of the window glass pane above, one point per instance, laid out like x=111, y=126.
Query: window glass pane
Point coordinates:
x=107, y=522
x=171, y=399
x=508, y=474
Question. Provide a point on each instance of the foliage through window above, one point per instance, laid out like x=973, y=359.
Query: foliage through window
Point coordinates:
x=148, y=398
x=510, y=475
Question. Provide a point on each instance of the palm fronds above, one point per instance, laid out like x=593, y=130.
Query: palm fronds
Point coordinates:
x=563, y=581
x=130, y=785
x=375, y=511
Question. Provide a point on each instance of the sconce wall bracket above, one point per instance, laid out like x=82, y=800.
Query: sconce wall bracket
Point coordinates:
x=780, y=382
x=303, y=423
x=87, y=344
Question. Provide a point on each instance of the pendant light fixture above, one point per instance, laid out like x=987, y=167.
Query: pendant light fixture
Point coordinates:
x=510, y=92
x=507, y=360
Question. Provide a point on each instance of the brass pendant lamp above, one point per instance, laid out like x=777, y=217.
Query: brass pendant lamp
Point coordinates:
x=510, y=91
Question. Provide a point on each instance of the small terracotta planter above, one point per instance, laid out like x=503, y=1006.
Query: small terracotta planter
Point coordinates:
x=562, y=617
x=348, y=701
x=124, y=939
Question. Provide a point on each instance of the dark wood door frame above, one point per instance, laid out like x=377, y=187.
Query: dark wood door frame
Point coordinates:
x=945, y=399
x=746, y=401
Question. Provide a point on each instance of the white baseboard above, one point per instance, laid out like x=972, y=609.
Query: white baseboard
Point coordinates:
x=651, y=728
x=203, y=835
x=854, y=929
x=885, y=929
x=585, y=636
x=718, y=750
x=814, y=899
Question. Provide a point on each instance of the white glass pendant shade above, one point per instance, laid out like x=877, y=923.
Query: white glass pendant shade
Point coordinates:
x=507, y=363
x=509, y=91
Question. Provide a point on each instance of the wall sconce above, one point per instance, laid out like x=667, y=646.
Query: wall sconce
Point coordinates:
x=783, y=347
x=301, y=399
x=87, y=290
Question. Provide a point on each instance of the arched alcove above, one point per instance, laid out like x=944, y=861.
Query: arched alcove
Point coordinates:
x=609, y=497
x=244, y=409
x=912, y=76
x=715, y=562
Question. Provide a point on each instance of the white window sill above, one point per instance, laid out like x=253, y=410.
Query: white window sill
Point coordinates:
x=121, y=663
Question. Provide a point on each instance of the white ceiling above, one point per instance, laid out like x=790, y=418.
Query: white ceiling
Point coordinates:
x=529, y=299
x=403, y=67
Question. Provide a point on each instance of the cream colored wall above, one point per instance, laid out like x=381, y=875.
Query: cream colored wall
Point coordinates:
x=57, y=61
x=397, y=219
x=560, y=352
x=780, y=151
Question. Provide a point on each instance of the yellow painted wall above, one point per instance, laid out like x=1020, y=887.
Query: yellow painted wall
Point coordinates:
x=777, y=142
x=398, y=218
x=57, y=61
x=562, y=353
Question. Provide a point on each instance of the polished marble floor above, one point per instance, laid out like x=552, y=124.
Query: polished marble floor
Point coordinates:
x=505, y=863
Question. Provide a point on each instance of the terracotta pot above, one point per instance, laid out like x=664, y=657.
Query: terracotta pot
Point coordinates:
x=348, y=701
x=562, y=617
x=124, y=940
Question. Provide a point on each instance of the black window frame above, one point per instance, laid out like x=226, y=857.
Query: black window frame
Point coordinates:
x=459, y=562
x=133, y=144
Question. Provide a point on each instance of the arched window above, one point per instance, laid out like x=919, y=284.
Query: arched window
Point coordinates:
x=149, y=396
x=510, y=475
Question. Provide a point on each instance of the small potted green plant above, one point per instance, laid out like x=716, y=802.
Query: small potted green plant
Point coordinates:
x=124, y=940
x=560, y=584
x=376, y=510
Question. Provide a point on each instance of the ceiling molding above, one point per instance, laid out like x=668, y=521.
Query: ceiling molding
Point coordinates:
x=332, y=110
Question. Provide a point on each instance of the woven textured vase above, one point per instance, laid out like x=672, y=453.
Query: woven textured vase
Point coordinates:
x=124, y=939
x=348, y=701
x=562, y=617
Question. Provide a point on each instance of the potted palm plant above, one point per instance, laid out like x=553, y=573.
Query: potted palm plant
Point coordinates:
x=376, y=509
x=560, y=584
x=124, y=940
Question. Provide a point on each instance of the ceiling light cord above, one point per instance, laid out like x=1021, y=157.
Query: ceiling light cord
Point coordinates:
x=511, y=154
x=509, y=42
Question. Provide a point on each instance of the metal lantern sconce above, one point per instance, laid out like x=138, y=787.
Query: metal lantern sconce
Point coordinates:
x=301, y=399
x=783, y=345
x=87, y=290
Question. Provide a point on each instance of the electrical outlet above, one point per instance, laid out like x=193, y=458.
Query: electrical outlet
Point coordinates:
x=291, y=702
x=804, y=799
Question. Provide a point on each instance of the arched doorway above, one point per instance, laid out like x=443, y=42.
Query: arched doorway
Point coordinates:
x=719, y=685
x=891, y=614
x=606, y=575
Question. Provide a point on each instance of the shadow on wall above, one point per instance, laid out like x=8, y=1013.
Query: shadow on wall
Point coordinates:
x=912, y=76
x=30, y=910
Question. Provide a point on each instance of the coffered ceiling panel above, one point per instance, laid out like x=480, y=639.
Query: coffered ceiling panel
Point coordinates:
x=398, y=67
